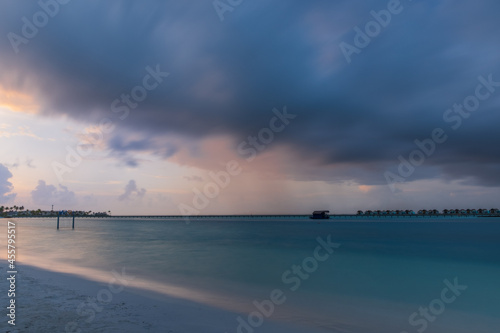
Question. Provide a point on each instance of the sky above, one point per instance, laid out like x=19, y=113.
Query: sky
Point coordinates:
x=249, y=107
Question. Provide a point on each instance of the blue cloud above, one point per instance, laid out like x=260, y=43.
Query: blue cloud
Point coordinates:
x=5, y=186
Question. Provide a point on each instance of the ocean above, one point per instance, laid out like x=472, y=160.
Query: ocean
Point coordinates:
x=361, y=275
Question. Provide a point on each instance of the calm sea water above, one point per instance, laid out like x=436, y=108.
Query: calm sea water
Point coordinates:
x=383, y=271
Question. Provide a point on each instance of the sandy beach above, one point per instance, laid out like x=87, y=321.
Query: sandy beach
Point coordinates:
x=56, y=302
x=48, y=301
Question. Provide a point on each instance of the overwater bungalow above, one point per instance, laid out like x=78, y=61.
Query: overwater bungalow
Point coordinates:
x=320, y=215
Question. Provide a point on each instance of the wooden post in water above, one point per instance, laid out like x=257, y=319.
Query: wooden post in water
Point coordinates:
x=57, y=221
x=73, y=227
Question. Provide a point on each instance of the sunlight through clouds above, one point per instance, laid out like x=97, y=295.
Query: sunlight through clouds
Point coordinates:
x=17, y=101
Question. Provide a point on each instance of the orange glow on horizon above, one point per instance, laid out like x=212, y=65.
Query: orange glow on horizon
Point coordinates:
x=365, y=188
x=17, y=101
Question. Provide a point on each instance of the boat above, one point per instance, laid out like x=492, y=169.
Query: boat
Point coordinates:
x=320, y=215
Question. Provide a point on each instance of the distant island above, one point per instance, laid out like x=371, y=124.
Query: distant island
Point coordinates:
x=435, y=212
x=20, y=211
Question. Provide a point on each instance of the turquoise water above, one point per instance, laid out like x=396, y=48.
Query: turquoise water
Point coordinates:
x=382, y=271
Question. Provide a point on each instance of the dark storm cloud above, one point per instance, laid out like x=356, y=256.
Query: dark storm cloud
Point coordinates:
x=226, y=77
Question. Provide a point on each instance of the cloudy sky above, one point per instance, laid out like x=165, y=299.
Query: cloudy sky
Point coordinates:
x=168, y=107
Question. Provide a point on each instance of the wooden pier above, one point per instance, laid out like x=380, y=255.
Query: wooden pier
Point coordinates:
x=195, y=216
x=283, y=216
x=334, y=217
x=72, y=225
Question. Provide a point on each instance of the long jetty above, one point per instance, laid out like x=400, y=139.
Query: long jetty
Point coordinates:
x=332, y=216
x=195, y=216
x=282, y=216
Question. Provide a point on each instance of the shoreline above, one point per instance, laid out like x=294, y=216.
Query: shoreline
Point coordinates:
x=50, y=301
x=64, y=302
